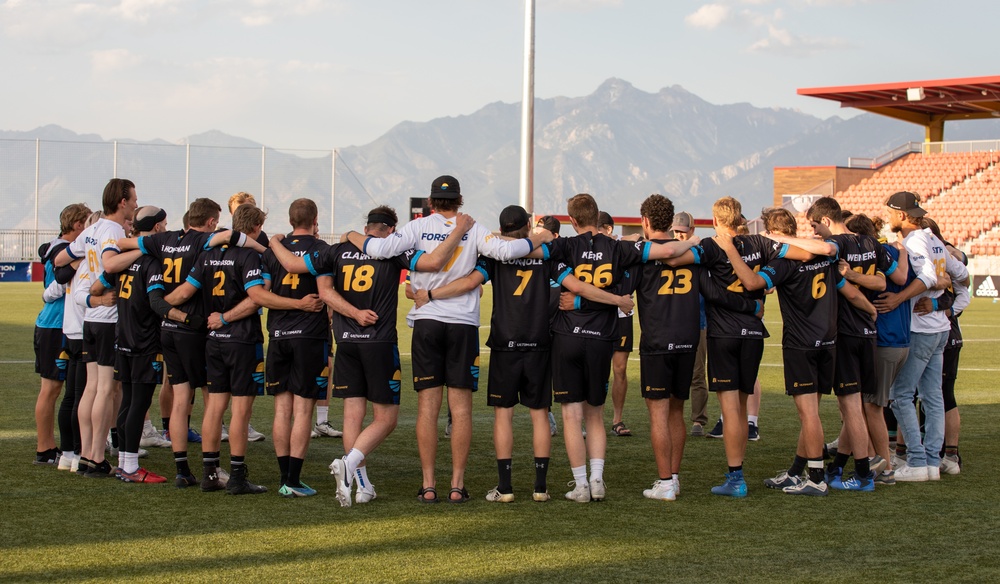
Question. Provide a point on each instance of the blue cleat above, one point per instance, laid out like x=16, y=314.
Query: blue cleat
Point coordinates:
x=835, y=478
x=293, y=492
x=734, y=486
x=194, y=436
x=858, y=483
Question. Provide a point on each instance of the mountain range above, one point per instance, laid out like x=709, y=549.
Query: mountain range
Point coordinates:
x=618, y=143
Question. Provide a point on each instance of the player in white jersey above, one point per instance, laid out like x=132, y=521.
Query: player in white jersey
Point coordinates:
x=921, y=372
x=445, y=334
x=97, y=246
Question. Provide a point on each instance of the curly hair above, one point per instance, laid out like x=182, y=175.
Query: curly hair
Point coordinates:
x=659, y=210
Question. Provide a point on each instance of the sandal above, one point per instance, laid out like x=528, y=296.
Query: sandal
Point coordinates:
x=620, y=429
x=424, y=491
x=464, y=495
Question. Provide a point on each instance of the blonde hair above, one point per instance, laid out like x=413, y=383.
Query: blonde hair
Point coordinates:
x=728, y=213
x=239, y=199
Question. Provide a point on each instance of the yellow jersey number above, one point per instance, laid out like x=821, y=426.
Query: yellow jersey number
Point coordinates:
x=600, y=276
x=359, y=280
x=125, y=287
x=676, y=282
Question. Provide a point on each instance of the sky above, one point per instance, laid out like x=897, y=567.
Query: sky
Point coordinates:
x=317, y=74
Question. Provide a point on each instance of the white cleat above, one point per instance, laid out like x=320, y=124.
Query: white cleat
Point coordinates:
x=580, y=492
x=338, y=468
x=662, y=490
x=597, y=490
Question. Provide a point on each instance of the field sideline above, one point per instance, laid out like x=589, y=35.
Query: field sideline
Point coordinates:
x=58, y=527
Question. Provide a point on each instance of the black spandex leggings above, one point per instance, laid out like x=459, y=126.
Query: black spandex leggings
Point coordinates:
x=136, y=398
x=76, y=380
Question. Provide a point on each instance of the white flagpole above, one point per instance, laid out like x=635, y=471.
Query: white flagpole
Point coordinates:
x=527, y=189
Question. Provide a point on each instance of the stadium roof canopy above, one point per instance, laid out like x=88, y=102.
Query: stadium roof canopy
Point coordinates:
x=927, y=103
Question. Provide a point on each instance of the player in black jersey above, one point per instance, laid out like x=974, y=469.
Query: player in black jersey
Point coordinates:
x=183, y=345
x=235, y=355
x=367, y=368
x=865, y=264
x=669, y=306
x=296, y=367
x=809, y=316
x=520, y=340
x=583, y=343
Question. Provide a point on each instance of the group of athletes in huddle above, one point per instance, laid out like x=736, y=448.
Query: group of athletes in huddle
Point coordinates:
x=188, y=301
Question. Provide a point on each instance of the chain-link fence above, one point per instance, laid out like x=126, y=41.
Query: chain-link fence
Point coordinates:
x=38, y=178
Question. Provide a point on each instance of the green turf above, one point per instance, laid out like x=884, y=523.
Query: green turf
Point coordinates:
x=57, y=527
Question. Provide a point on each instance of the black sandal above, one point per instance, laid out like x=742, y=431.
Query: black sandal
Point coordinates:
x=620, y=429
x=424, y=491
x=461, y=491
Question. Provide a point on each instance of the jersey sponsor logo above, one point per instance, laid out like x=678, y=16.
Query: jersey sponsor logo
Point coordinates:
x=350, y=335
x=428, y=378
x=987, y=288
x=281, y=333
x=520, y=345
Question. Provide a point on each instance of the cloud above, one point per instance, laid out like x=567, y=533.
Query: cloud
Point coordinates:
x=113, y=60
x=579, y=5
x=782, y=42
x=265, y=12
x=708, y=16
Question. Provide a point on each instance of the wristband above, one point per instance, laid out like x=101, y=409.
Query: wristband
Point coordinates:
x=429, y=296
x=223, y=319
x=88, y=301
x=576, y=303
x=934, y=304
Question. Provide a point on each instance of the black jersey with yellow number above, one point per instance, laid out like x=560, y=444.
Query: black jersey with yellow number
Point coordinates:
x=224, y=275
x=366, y=283
x=138, y=326
x=866, y=256
x=601, y=261
x=299, y=324
x=522, y=303
x=756, y=251
x=179, y=253
x=807, y=293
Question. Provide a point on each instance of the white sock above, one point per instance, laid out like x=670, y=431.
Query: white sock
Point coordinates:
x=131, y=462
x=675, y=477
x=580, y=474
x=362, y=477
x=322, y=414
x=752, y=420
x=121, y=458
x=148, y=425
x=353, y=460
x=596, y=469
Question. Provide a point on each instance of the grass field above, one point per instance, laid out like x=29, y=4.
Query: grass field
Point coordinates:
x=58, y=527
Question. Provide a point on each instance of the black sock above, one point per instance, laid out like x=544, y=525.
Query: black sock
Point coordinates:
x=901, y=450
x=114, y=437
x=503, y=470
x=816, y=470
x=283, y=468
x=861, y=466
x=541, y=472
x=237, y=462
x=294, y=472
x=798, y=466
x=735, y=468
x=166, y=423
x=181, y=460
x=210, y=460
x=839, y=461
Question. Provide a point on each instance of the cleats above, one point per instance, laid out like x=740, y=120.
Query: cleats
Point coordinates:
x=877, y=464
x=140, y=476
x=239, y=485
x=807, y=487
x=47, y=458
x=830, y=448
x=950, y=464
x=715, y=432
x=102, y=470
x=364, y=494
x=327, y=429
x=597, y=490
x=193, y=436
x=753, y=432
x=338, y=468
x=580, y=492
x=185, y=481
x=886, y=477
x=835, y=478
x=293, y=492
x=212, y=482
x=495, y=496
x=540, y=497
x=151, y=438
x=782, y=480
x=254, y=435
x=663, y=490
x=734, y=486
x=858, y=483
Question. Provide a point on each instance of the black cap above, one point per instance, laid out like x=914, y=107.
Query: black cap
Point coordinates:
x=147, y=217
x=906, y=202
x=445, y=187
x=605, y=218
x=513, y=218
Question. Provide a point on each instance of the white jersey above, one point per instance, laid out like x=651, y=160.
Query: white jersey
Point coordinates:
x=75, y=304
x=425, y=234
x=90, y=246
x=930, y=260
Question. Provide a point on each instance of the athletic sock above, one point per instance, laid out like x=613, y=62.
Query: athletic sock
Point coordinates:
x=735, y=468
x=580, y=474
x=362, y=477
x=752, y=420
x=237, y=463
x=181, y=460
x=131, y=462
x=862, y=467
x=596, y=469
x=839, y=461
x=541, y=474
x=901, y=450
x=798, y=466
x=322, y=414
x=114, y=437
x=353, y=460
x=283, y=468
x=504, y=471
x=294, y=471
x=122, y=459
x=210, y=461
x=951, y=450
x=816, y=470
x=166, y=423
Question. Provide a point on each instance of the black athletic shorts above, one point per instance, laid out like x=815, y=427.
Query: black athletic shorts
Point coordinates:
x=146, y=369
x=580, y=369
x=50, y=353
x=625, y=329
x=855, y=368
x=184, y=355
x=666, y=375
x=520, y=377
x=445, y=354
x=733, y=363
x=298, y=365
x=236, y=368
x=99, y=343
x=809, y=371
x=368, y=370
